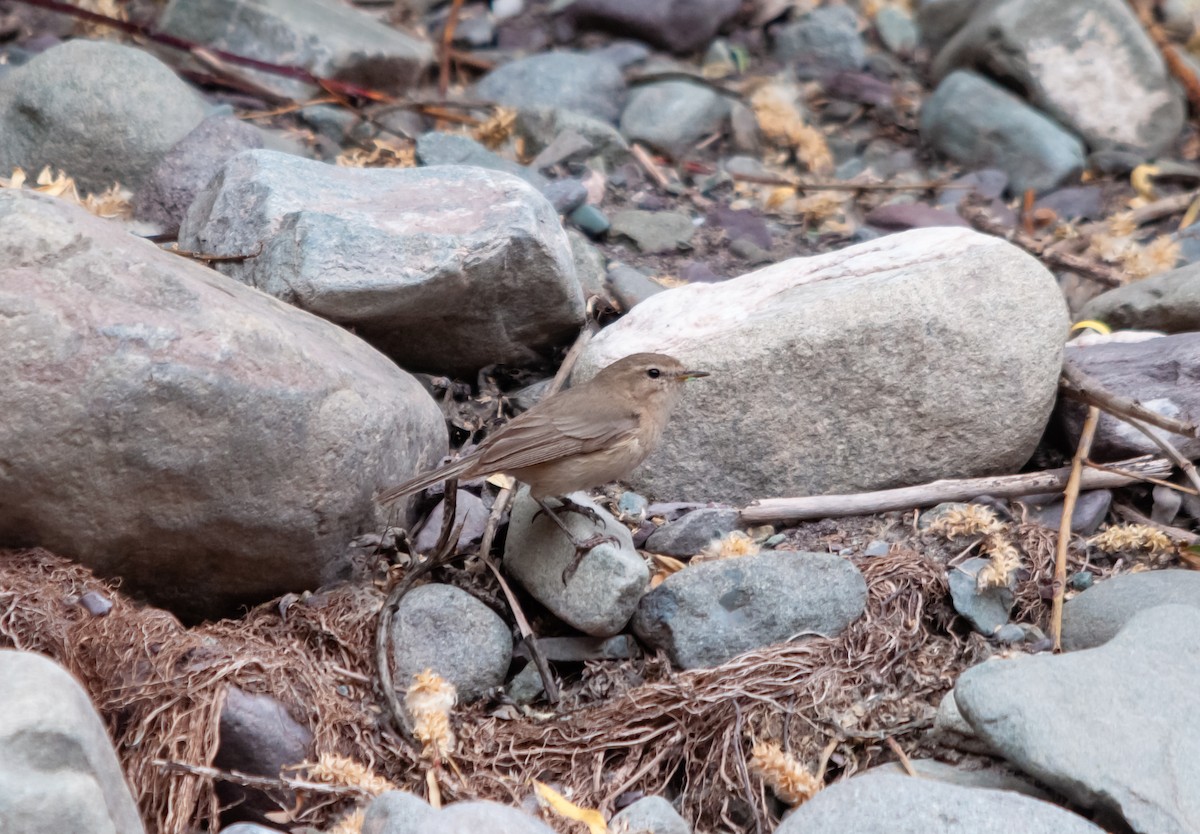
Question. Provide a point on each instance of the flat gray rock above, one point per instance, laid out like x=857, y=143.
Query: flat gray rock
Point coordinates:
x=708, y=613
x=540, y=126
x=446, y=629
x=691, y=533
x=1087, y=64
x=673, y=116
x=652, y=815
x=1143, y=764
x=823, y=42
x=676, y=25
x=997, y=778
x=571, y=81
x=330, y=39
x=211, y=445
x=1095, y=616
x=600, y=598
x=986, y=608
x=446, y=269
x=1158, y=373
x=862, y=419
x=655, y=232
x=978, y=123
x=102, y=112
x=58, y=771
x=904, y=805
x=1169, y=301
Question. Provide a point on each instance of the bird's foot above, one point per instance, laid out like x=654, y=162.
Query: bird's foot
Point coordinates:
x=582, y=548
x=566, y=505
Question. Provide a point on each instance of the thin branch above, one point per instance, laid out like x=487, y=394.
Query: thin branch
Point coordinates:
x=1079, y=385
x=1003, y=486
x=280, y=783
x=1189, y=468
x=1064, y=529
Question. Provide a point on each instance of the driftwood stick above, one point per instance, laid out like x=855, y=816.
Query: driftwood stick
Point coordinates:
x=1064, y=528
x=1169, y=449
x=1079, y=385
x=925, y=495
x=280, y=783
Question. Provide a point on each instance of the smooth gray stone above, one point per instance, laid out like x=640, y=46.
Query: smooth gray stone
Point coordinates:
x=711, y=612
x=883, y=804
x=987, y=610
x=978, y=123
x=673, y=25
x=58, y=770
x=693, y=532
x=823, y=42
x=1143, y=765
x=397, y=812
x=446, y=629
x=1169, y=301
x=100, y=111
x=672, y=116
x=570, y=81
x=652, y=815
x=654, y=232
x=993, y=777
x=1095, y=616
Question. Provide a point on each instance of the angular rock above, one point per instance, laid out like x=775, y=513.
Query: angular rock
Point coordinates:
x=540, y=126
x=1144, y=766
x=188, y=167
x=1169, y=301
x=903, y=805
x=1158, y=373
x=672, y=116
x=978, y=123
x=444, y=628
x=1091, y=508
x=469, y=513
x=652, y=815
x=102, y=112
x=59, y=771
x=691, y=533
x=1088, y=64
x=823, y=42
x=708, y=613
x=986, y=608
x=675, y=25
x=447, y=269
x=1095, y=616
x=759, y=336
x=329, y=39
x=259, y=737
x=600, y=598
x=654, y=232
x=569, y=81
x=212, y=446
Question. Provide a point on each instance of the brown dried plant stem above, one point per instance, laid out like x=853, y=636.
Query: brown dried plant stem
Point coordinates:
x=1079, y=385
x=1064, y=531
x=447, y=42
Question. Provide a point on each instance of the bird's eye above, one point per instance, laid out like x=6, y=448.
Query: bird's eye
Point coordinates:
x=654, y=373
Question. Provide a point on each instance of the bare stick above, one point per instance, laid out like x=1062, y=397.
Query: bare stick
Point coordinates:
x=1106, y=467
x=650, y=166
x=445, y=47
x=925, y=495
x=905, y=762
x=1064, y=528
x=1079, y=385
x=280, y=783
x=1189, y=468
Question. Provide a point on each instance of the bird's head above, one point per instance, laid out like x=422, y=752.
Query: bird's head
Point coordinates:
x=648, y=376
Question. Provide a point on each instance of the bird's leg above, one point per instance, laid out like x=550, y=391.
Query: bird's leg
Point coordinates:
x=566, y=505
x=582, y=546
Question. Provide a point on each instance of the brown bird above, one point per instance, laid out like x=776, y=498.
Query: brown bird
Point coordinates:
x=580, y=438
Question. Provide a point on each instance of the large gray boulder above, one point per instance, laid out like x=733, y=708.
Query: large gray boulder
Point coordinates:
x=1088, y=64
x=58, y=770
x=1099, y=613
x=329, y=38
x=879, y=804
x=446, y=269
x=100, y=111
x=164, y=424
x=1143, y=763
x=875, y=366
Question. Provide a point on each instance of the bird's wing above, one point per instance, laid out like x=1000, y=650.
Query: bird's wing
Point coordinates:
x=539, y=436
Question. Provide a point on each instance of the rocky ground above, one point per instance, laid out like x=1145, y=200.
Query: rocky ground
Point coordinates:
x=262, y=259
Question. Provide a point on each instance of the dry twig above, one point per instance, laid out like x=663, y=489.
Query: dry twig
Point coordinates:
x=1070, y=496
x=1079, y=385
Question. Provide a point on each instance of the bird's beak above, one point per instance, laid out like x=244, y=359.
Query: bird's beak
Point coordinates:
x=686, y=375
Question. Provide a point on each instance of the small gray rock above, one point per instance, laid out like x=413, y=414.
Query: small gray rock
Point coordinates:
x=601, y=596
x=708, y=613
x=986, y=609
x=579, y=83
x=1091, y=509
x=590, y=265
x=976, y=122
x=1094, y=617
x=188, y=167
x=397, y=812
x=897, y=30
x=691, y=533
x=654, y=231
x=884, y=804
x=877, y=547
x=1169, y=301
x=247, y=828
x=679, y=26
x=58, y=771
x=565, y=195
x=469, y=512
x=823, y=42
x=591, y=220
x=444, y=628
x=1037, y=711
x=629, y=287
x=540, y=126
x=526, y=686
x=330, y=40
x=102, y=112
x=672, y=116
x=652, y=815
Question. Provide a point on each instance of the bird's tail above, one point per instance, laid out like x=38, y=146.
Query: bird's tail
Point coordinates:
x=427, y=479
